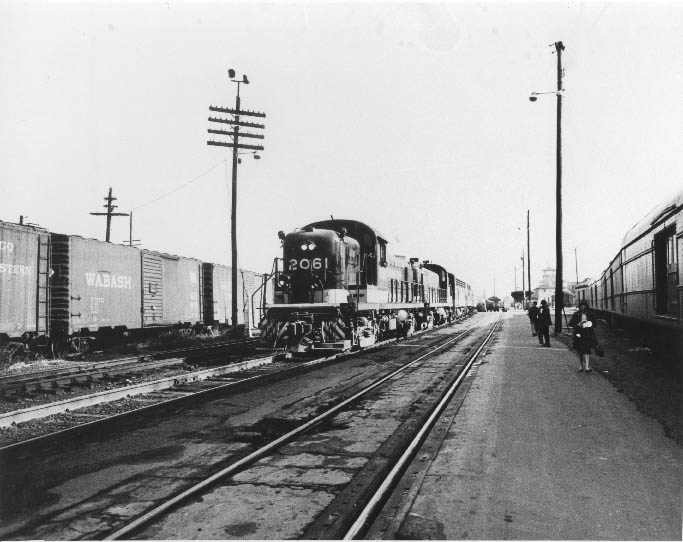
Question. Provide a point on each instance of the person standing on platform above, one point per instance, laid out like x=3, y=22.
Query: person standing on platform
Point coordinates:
x=543, y=323
x=583, y=324
x=533, y=314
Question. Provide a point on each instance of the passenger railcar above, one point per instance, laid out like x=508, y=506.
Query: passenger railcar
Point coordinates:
x=337, y=287
x=642, y=288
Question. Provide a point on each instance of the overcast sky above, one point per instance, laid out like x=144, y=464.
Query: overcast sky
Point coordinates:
x=413, y=118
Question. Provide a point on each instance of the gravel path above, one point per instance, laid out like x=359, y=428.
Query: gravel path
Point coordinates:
x=652, y=384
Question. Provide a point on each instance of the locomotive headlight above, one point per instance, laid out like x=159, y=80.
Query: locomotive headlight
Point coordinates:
x=308, y=245
x=304, y=247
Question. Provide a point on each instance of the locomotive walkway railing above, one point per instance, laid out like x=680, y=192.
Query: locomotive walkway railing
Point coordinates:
x=404, y=291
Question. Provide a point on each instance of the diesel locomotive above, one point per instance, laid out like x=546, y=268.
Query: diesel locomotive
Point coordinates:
x=336, y=287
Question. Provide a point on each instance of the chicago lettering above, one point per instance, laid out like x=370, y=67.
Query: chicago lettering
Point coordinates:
x=6, y=246
x=106, y=280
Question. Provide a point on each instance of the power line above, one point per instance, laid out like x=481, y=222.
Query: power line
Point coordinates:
x=180, y=187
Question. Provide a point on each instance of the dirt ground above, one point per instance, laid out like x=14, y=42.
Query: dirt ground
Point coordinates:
x=652, y=384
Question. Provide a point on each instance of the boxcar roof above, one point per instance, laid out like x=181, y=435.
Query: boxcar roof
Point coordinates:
x=23, y=227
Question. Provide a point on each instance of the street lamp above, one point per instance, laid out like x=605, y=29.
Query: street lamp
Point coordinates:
x=559, y=295
x=254, y=153
x=534, y=95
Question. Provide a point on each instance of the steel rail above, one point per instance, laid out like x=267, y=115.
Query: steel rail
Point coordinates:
x=248, y=341
x=265, y=450
x=390, y=481
x=180, y=379
x=83, y=427
x=107, y=396
x=82, y=401
x=117, y=364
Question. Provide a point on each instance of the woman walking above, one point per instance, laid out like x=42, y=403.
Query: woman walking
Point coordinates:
x=585, y=337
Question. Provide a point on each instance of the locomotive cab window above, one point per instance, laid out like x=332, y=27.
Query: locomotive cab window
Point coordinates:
x=382, y=252
x=666, y=273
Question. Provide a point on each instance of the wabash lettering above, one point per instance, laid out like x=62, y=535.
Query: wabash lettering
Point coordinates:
x=107, y=280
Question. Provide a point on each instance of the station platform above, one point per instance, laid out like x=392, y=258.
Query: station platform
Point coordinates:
x=542, y=451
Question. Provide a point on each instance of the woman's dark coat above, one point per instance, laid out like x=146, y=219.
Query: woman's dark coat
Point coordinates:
x=584, y=338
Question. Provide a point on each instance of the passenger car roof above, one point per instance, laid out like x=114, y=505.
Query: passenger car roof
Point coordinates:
x=656, y=216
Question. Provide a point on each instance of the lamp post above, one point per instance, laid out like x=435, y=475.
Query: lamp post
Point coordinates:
x=236, y=123
x=523, y=285
x=559, y=296
x=515, y=278
x=528, y=256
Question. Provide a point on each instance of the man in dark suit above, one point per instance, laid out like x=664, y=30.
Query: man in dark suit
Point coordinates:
x=533, y=313
x=543, y=322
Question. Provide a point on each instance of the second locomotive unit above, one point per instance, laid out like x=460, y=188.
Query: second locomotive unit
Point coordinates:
x=336, y=288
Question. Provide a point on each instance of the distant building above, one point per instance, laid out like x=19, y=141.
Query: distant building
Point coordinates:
x=582, y=290
x=546, y=289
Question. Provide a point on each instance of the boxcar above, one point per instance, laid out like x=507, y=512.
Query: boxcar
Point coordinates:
x=218, y=294
x=69, y=289
x=95, y=285
x=24, y=276
x=171, y=289
x=258, y=295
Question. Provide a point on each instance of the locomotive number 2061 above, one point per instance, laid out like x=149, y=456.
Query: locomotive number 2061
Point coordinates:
x=306, y=263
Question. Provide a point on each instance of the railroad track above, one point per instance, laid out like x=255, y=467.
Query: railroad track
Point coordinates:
x=85, y=410
x=85, y=374
x=72, y=512
x=385, y=510
x=355, y=507
x=99, y=411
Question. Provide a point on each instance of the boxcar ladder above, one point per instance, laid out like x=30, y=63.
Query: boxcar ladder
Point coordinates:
x=43, y=291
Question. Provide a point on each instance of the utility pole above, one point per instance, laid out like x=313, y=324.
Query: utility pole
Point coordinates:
x=110, y=212
x=576, y=263
x=528, y=255
x=523, y=285
x=559, y=295
x=235, y=122
x=515, y=277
